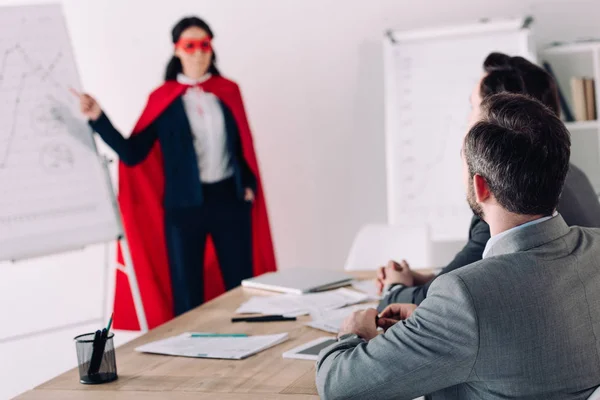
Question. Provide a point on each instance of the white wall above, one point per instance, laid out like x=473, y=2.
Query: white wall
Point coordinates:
x=311, y=74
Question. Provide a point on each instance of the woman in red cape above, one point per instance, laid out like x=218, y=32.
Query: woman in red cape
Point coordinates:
x=190, y=192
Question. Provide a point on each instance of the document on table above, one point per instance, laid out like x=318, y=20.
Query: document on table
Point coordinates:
x=294, y=305
x=234, y=348
x=368, y=287
x=331, y=320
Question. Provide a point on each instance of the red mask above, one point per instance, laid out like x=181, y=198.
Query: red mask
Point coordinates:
x=191, y=45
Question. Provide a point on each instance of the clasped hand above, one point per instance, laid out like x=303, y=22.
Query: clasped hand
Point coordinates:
x=364, y=323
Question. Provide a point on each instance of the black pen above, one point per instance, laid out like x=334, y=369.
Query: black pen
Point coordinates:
x=99, y=345
x=263, y=318
x=97, y=352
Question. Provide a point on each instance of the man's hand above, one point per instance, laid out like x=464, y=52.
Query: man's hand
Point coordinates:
x=361, y=323
x=394, y=313
x=394, y=272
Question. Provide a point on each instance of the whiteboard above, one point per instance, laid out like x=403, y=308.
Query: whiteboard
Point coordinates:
x=56, y=192
x=429, y=77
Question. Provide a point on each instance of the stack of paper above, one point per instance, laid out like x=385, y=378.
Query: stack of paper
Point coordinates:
x=368, y=287
x=217, y=346
x=331, y=320
x=294, y=305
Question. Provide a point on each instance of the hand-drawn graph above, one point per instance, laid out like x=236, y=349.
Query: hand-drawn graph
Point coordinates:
x=45, y=119
x=48, y=158
x=57, y=157
x=26, y=72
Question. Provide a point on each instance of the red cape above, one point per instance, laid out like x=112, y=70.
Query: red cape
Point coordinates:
x=141, y=190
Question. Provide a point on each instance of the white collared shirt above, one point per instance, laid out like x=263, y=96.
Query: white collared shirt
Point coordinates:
x=208, y=127
x=494, y=239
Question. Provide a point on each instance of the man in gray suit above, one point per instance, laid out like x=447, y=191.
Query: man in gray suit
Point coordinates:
x=578, y=204
x=524, y=322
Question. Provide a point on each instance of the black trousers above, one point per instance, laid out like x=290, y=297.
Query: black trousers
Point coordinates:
x=227, y=219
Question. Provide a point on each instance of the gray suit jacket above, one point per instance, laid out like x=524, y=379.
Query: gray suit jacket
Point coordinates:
x=523, y=323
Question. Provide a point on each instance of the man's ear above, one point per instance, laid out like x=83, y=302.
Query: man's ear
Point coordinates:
x=481, y=188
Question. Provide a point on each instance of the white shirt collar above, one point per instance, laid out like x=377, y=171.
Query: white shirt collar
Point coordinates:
x=186, y=80
x=494, y=239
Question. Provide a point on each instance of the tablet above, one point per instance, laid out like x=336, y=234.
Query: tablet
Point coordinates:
x=310, y=350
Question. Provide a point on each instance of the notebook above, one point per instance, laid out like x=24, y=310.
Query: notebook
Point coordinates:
x=208, y=346
x=299, y=280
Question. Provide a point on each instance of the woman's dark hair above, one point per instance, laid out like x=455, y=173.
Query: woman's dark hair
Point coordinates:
x=174, y=67
x=518, y=75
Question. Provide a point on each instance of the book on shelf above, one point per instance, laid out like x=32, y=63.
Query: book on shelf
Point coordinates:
x=584, y=98
x=590, y=99
x=578, y=96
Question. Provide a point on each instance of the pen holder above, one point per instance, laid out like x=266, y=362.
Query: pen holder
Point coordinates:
x=96, y=367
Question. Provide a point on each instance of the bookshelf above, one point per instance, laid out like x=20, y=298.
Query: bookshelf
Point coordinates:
x=579, y=60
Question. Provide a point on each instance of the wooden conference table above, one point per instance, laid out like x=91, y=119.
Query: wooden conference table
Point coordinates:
x=265, y=375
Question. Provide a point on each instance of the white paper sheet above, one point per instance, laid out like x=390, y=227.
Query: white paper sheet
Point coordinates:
x=294, y=305
x=235, y=348
x=331, y=320
x=368, y=287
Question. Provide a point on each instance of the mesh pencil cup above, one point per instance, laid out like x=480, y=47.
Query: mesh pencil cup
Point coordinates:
x=99, y=367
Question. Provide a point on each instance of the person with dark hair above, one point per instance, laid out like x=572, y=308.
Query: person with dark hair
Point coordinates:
x=189, y=186
x=522, y=322
x=538, y=83
x=578, y=203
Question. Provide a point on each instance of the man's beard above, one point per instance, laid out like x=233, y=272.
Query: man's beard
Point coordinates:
x=475, y=207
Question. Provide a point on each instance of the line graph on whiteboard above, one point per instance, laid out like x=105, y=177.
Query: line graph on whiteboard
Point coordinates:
x=48, y=159
x=18, y=67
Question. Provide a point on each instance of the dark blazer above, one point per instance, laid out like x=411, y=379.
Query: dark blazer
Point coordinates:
x=172, y=130
x=578, y=205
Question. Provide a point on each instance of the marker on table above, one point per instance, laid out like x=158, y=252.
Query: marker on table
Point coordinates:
x=264, y=318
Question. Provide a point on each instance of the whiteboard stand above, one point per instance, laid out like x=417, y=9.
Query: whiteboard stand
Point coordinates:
x=127, y=260
x=133, y=285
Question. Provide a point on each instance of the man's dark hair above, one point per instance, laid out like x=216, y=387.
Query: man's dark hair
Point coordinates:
x=518, y=75
x=522, y=150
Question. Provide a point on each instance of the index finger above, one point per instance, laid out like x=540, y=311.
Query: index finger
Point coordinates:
x=386, y=323
x=74, y=92
x=389, y=311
